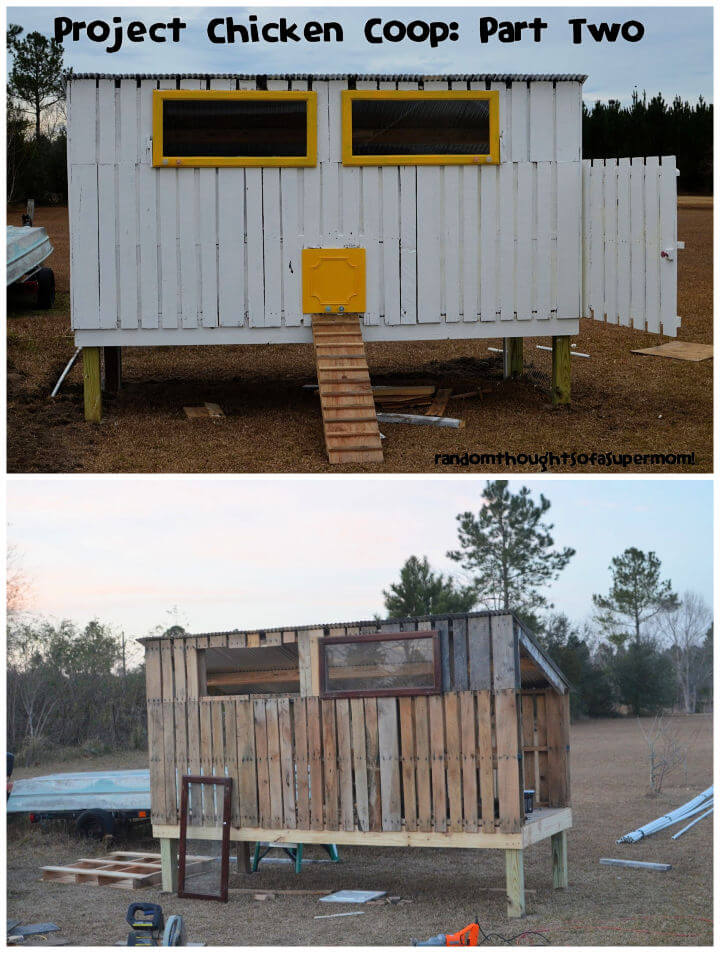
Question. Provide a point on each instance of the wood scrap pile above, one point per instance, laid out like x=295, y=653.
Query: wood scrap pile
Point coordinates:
x=423, y=403
x=123, y=870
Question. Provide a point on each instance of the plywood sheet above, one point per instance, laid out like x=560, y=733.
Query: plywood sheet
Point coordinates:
x=680, y=350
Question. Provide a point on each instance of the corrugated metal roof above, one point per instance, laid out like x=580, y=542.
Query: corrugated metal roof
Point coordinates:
x=379, y=77
x=332, y=625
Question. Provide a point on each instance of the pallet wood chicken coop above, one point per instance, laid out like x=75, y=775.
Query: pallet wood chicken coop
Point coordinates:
x=421, y=732
x=241, y=209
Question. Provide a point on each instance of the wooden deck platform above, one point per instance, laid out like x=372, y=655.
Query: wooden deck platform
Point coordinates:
x=540, y=825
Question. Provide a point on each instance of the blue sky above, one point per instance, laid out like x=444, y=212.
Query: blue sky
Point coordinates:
x=674, y=56
x=257, y=552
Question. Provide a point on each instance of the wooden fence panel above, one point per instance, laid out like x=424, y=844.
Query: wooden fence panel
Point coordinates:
x=485, y=751
x=153, y=681
x=423, y=763
x=407, y=754
x=231, y=758
x=452, y=756
x=263, y=768
x=373, y=763
x=287, y=763
x=359, y=747
x=437, y=748
x=299, y=714
x=316, y=763
x=345, y=775
x=330, y=765
x=247, y=764
x=630, y=242
x=389, y=763
x=558, y=739
x=468, y=743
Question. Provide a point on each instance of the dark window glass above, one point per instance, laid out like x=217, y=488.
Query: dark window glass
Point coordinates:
x=234, y=127
x=386, y=127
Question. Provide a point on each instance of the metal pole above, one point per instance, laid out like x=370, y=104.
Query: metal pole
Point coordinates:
x=692, y=824
x=65, y=373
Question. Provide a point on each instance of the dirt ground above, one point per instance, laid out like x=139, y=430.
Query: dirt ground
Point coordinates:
x=602, y=905
x=622, y=402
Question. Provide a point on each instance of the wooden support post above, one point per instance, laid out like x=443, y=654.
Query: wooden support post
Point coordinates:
x=91, y=384
x=169, y=862
x=113, y=369
x=559, y=860
x=514, y=359
x=561, y=370
x=243, y=857
x=515, y=883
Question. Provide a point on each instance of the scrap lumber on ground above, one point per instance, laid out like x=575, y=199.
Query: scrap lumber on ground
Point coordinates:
x=644, y=865
x=124, y=870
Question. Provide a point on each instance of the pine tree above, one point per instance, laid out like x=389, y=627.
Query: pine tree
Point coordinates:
x=636, y=596
x=423, y=592
x=36, y=79
x=508, y=551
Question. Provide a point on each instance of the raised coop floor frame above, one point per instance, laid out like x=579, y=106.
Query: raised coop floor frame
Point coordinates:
x=552, y=823
x=113, y=341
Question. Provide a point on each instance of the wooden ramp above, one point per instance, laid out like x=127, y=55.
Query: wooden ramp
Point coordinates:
x=348, y=409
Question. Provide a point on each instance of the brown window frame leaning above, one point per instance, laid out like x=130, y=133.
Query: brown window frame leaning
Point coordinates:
x=382, y=637
x=187, y=780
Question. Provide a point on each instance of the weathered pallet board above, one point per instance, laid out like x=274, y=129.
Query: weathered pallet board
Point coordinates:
x=122, y=870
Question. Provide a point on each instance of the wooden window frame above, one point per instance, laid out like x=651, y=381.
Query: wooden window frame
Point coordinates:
x=382, y=637
x=226, y=783
x=491, y=96
x=160, y=160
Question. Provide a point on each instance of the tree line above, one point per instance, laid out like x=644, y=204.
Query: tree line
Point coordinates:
x=642, y=649
x=71, y=687
x=654, y=127
x=37, y=137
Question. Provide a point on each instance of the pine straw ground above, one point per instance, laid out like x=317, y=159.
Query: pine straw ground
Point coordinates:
x=622, y=402
x=602, y=905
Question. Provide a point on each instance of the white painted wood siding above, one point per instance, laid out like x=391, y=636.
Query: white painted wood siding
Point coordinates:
x=213, y=255
x=630, y=243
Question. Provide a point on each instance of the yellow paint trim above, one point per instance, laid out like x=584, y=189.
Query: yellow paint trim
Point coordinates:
x=331, y=289
x=160, y=160
x=491, y=96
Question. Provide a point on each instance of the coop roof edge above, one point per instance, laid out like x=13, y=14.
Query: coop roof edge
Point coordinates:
x=526, y=637
x=380, y=77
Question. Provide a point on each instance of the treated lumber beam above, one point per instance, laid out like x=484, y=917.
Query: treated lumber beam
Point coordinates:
x=558, y=844
x=515, y=883
x=401, y=838
x=91, y=384
x=169, y=860
x=561, y=370
x=514, y=356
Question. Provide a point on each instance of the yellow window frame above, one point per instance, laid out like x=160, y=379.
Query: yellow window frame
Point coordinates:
x=160, y=160
x=491, y=96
